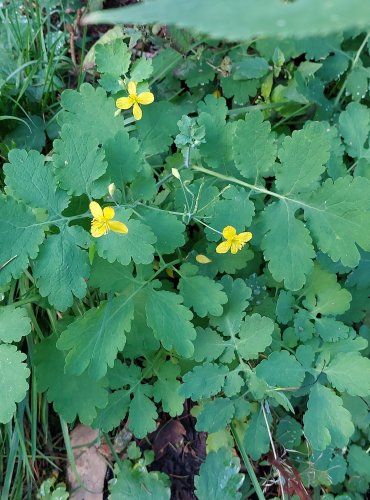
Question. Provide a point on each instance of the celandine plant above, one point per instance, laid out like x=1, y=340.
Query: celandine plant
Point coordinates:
x=180, y=253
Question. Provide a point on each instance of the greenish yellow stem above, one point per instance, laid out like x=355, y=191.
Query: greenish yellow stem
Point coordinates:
x=247, y=463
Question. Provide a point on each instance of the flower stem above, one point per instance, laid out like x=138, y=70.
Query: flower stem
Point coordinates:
x=247, y=463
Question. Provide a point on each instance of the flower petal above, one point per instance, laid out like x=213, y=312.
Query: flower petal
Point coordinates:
x=96, y=209
x=244, y=237
x=223, y=247
x=98, y=229
x=228, y=232
x=124, y=102
x=117, y=226
x=235, y=247
x=145, y=98
x=131, y=88
x=137, y=111
x=108, y=213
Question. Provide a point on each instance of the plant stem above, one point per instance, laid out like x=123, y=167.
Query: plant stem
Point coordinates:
x=68, y=445
x=247, y=463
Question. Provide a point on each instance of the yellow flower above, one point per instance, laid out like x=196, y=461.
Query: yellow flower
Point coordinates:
x=234, y=242
x=134, y=100
x=102, y=221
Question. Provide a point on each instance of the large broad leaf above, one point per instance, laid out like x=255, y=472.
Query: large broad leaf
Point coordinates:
x=167, y=228
x=13, y=380
x=157, y=127
x=14, y=323
x=71, y=395
x=288, y=237
x=281, y=369
x=62, y=267
x=143, y=412
x=219, y=477
x=245, y=19
x=136, y=245
x=254, y=146
x=201, y=293
x=166, y=389
x=254, y=336
x=94, y=339
x=79, y=162
x=234, y=310
x=304, y=153
x=256, y=438
x=170, y=321
x=20, y=237
x=204, y=381
x=350, y=372
x=123, y=158
x=80, y=112
x=32, y=181
x=337, y=214
x=215, y=415
x=326, y=421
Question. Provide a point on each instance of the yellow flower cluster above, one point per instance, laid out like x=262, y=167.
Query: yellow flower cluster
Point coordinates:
x=103, y=221
x=133, y=100
x=234, y=242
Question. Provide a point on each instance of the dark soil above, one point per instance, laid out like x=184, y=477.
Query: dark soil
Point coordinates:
x=179, y=452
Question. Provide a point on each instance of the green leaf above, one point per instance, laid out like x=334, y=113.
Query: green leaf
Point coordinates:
x=336, y=215
x=138, y=484
x=79, y=162
x=136, y=245
x=123, y=158
x=254, y=146
x=167, y=228
x=323, y=295
x=170, y=321
x=326, y=421
x=208, y=345
x=157, y=127
x=113, y=58
x=30, y=134
x=80, y=113
x=217, y=149
x=234, y=310
x=303, y=157
x=219, y=477
x=256, y=438
x=65, y=391
x=201, y=293
x=14, y=323
x=141, y=70
x=204, y=381
x=20, y=237
x=143, y=413
x=281, y=369
x=166, y=389
x=31, y=181
x=360, y=277
x=94, y=339
x=287, y=236
x=13, y=381
x=62, y=267
x=354, y=125
x=251, y=67
x=350, y=372
x=215, y=415
x=284, y=307
x=358, y=462
x=254, y=336
x=114, y=412
x=112, y=277
x=236, y=209
x=276, y=19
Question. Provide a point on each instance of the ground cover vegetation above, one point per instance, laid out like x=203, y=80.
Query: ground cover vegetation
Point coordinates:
x=184, y=234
